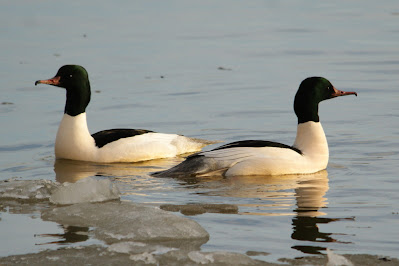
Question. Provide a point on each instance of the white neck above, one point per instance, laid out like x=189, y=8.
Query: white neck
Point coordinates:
x=312, y=141
x=73, y=139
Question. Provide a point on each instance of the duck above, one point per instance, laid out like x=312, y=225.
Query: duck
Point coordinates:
x=73, y=140
x=309, y=153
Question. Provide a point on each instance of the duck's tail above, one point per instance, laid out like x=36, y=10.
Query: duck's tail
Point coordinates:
x=189, y=145
x=194, y=165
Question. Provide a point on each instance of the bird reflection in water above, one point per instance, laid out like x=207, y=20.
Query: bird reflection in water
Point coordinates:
x=72, y=234
x=309, y=201
x=302, y=196
x=72, y=171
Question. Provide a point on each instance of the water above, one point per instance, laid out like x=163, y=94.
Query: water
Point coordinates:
x=225, y=70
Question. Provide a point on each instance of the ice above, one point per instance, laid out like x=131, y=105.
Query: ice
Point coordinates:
x=337, y=260
x=116, y=221
x=200, y=258
x=127, y=247
x=85, y=190
x=196, y=257
x=29, y=190
x=130, y=247
x=145, y=257
x=200, y=208
x=97, y=255
x=131, y=234
x=55, y=258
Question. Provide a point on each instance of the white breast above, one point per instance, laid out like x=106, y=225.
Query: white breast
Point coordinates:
x=312, y=141
x=73, y=139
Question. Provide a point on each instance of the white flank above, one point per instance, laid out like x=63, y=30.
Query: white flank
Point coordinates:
x=310, y=139
x=74, y=142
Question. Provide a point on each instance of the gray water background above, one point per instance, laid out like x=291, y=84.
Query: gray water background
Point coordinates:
x=219, y=70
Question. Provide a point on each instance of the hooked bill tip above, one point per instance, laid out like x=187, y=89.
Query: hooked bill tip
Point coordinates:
x=338, y=93
x=53, y=81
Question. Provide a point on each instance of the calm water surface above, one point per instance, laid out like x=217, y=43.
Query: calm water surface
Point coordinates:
x=221, y=71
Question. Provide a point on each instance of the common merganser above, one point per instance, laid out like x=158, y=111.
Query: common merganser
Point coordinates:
x=309, y=154
x=74, y=141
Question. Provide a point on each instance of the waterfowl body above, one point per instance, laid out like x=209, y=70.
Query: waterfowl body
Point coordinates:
x=308, y=154
x=74, y=141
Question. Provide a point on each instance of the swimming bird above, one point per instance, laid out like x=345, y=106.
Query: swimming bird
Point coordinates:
x=308, y=154
x=73, y=140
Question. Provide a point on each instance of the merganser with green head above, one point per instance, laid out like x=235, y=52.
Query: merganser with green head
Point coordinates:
x=74, y=141
x=308, y=154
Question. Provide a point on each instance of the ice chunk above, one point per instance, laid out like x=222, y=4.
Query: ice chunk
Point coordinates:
x=54, y=258
x=85, y=190
x=128, y=247
x=91, y=255
x=116, y=221
x=199, y=208
x=200, y=258
x=97, y=255
x=337, y=260
x=145, y=257
x=207, y=258
x=256, y=253
x=30, y=190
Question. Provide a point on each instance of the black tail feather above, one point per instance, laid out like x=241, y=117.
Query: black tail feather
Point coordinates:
x=191, y=167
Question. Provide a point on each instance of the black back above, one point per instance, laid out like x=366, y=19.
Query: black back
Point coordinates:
x=249, y=144
x=104, y=137
x=256, y=144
